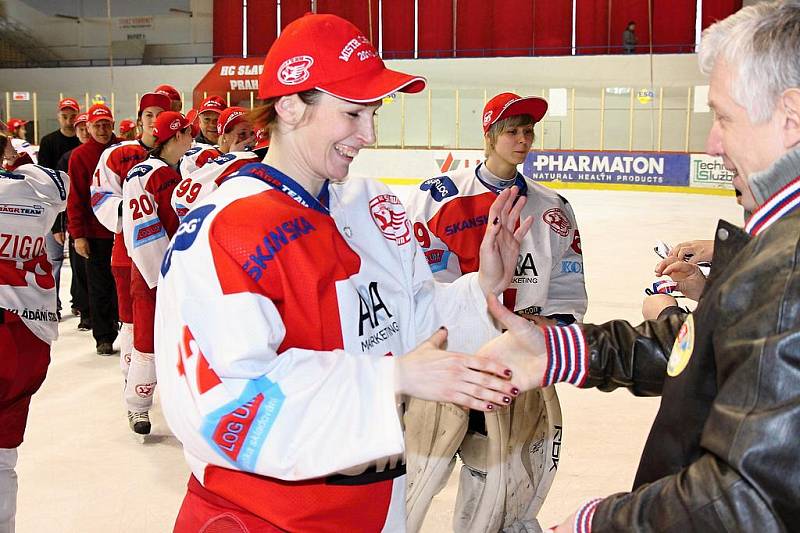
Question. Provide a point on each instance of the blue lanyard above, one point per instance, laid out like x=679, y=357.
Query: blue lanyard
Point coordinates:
x=283, y=183
x=519, y=181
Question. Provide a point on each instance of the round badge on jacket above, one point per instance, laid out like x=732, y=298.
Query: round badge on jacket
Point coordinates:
x=682, y=349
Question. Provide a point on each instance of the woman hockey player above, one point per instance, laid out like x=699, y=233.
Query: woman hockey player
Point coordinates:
x=295, y=310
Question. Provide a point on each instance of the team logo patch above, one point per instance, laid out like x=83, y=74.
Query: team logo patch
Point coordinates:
x=22, y=210
x=437, y=259
x=390, y=217
x=487, y=118
x=145, y=390
x=440, y=187
x=576, y=243
x=558, y=221
x=138, y=171
x=682, y=349
x=295, y=70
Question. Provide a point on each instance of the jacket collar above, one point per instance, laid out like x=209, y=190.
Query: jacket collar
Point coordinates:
x=783, y=202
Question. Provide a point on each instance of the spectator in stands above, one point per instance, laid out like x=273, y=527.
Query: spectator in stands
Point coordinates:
x=629, y=38
x=78, y=286
x=51, y=148
x=174, y=96
x=208, y=114
x=127, y=130
x=92, y=240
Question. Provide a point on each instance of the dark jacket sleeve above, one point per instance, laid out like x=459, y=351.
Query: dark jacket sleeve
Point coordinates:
x=747, y=477
x=621, y=355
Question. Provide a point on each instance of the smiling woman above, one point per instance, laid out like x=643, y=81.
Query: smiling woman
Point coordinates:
x=285, y=290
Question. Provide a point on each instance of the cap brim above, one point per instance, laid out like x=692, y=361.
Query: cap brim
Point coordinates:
x=374, y=85
x=70, y=106
x=530, y=105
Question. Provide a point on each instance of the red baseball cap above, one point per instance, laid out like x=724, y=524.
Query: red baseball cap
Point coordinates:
x=99, y=112
x=69, y=103
x=155, y=99
x=213, y=103
x=170, y=91
x=168, y=124
x=230, y=117
x=506, y=105
x=14, y=123
x=83, y=117
x=192, y=116
x=126, y=125
x=328, y=53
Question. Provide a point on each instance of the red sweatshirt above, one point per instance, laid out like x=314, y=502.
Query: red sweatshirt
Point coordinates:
x=81, y=221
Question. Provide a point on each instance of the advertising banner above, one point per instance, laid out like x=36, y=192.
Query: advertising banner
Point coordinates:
x=707, y=172
x=621, y=168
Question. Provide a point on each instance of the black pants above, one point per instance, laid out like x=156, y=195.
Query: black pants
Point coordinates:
x=78, y=289
x=102, y=291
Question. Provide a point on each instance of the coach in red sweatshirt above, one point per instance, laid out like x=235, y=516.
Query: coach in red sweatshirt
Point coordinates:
x=92, y=240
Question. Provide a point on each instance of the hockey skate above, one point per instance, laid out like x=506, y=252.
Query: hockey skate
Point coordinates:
x=139, y=422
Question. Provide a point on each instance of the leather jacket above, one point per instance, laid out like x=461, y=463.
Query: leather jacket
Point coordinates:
x=723, y=453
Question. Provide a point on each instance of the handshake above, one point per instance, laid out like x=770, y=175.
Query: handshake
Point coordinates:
x=503, y=367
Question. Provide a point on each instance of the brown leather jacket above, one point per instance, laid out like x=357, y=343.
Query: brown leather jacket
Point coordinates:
x=723, y=453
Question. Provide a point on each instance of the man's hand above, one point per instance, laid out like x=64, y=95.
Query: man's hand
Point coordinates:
x=500, y=246
x=82, y=247
x=688, y=276
x=59, y=237
x=693, y=251
x=521, y=348
x=430, y=373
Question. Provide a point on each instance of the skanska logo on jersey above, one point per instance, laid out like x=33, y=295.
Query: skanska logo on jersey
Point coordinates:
x=224, y=158
x=472, y=222
x=440, y=187
x=273, y=242
x=186, y=234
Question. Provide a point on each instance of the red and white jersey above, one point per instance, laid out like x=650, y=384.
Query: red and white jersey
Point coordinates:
x=109, y=176
x=21, y=146
x=196, y=157
x=450, y=214
x=30, y=199
x=204, y=181
x=275, y=322
x=148, y=220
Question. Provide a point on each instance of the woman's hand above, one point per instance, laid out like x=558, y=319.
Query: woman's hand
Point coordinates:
x=521, y=348
x=500, y=246
x=430, y=373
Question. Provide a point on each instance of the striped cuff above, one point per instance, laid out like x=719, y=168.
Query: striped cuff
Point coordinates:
x=583, y=518
x=567, y=356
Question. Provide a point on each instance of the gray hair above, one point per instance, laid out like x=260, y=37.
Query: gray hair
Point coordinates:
x=761, y=45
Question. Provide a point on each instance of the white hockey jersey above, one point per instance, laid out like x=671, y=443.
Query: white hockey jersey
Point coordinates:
x=275, y=323
x=108, y=179
x=205, y=180
x=450, y=214
x=30, y=199
x=196, y=157
x=24, y=147
x=148, y=220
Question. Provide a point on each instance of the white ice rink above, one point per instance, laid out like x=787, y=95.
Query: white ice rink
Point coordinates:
x=82, y=470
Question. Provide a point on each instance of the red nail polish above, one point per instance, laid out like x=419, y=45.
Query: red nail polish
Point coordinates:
x=507, y=372
x=496, y=220
x=515, y=391
x=490, y=406
x=506, y=399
